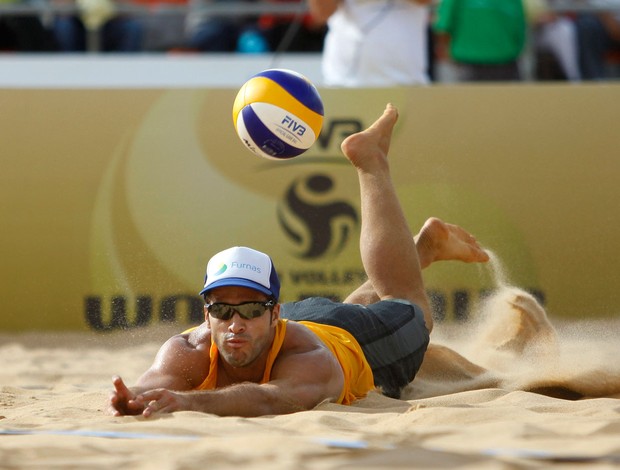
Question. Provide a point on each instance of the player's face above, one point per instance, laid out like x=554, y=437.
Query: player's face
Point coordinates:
x=241, y=337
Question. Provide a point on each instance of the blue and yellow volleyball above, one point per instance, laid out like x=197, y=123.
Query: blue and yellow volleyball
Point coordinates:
x=278, y=114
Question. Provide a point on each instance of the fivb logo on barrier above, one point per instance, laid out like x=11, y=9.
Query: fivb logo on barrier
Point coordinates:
x=340, y=128
x=325, y=225
x=328, y=226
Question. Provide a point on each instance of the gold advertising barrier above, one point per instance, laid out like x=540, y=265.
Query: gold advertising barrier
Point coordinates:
x=113, y=200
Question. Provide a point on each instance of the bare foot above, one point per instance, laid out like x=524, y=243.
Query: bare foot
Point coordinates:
x=513, y=321
x=371, y=145
x=439, y=240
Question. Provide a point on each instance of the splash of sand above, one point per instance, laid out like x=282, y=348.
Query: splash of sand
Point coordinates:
x=511, y=343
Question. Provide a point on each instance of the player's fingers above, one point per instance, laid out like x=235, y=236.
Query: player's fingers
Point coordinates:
x=146, y=397
x=159, y=402
x=120, y=386
x=149, y=400
x=151, y=407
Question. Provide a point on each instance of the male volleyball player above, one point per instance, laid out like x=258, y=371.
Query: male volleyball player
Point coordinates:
x=253, y=356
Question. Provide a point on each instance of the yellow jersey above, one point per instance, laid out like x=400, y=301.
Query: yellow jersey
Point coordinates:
x=358, y=378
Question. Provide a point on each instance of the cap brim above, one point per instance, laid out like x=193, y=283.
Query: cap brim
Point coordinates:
x=238, y=282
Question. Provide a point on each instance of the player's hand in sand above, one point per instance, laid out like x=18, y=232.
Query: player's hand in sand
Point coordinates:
x=123, y=401
x=162, y=400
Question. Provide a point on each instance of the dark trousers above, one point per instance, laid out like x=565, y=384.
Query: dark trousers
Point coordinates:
x=489, y=72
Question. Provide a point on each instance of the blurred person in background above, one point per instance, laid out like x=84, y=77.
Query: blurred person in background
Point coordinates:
x=163, y=26
x=268, y=32
x=25, y=32
x=99, y=19
x=554, y=41
x=220, y=33
x=292, y=32
x=598, y=35
x=374, y=42
x=485, y=38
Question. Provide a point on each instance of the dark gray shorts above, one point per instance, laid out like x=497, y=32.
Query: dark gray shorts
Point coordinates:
x=392, y=334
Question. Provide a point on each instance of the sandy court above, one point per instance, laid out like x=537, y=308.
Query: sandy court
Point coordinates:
x=510, y=390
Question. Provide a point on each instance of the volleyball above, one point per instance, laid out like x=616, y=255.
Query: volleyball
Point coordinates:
x=278, y=114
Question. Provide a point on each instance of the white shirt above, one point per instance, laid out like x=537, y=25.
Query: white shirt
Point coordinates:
x=376, y=43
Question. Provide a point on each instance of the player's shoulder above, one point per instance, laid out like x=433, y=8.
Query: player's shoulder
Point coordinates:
x=194, y=338
x=305, y=354
x=299, y=338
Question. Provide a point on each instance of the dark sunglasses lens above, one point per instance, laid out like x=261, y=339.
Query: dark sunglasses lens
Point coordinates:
x=220, y=311
x=247, y=310
x=250, y=310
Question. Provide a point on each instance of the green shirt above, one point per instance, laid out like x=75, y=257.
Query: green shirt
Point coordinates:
x=483, y=31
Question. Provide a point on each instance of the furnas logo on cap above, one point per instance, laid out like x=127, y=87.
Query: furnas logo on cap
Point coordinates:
x=237, y=265
x=242, y=267
x=223, y=268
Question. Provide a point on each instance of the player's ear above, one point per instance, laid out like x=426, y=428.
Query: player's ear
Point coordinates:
x=275, y=314
x=206, y=315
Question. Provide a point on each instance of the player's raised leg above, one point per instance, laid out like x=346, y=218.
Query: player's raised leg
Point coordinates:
x=387, y=246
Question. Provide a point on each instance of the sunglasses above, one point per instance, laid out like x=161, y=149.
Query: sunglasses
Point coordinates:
x=246, y=310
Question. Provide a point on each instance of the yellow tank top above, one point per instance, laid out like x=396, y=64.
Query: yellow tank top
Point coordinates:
x=358, y=379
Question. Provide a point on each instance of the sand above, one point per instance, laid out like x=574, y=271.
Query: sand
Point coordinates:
x=511, y=389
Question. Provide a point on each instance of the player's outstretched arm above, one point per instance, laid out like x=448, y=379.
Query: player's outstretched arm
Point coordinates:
x=178, y=366
x=300, y=381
